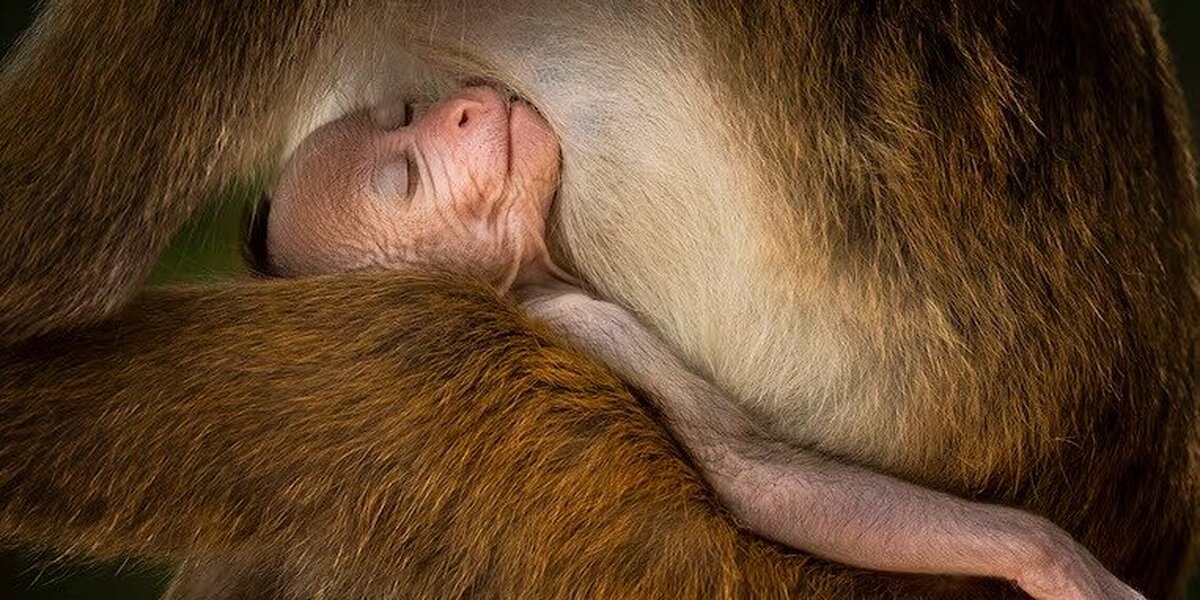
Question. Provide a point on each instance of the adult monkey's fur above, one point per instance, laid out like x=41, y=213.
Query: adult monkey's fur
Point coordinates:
x=954, y=241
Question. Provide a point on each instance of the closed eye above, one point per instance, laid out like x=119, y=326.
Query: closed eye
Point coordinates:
x=408, y=114
x=394, y=180
x=414, y=175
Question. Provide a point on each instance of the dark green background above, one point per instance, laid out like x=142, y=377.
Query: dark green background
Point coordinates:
x=207, y=249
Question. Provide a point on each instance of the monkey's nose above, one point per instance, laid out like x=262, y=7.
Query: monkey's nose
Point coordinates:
x=474, y=106
x=466, y=114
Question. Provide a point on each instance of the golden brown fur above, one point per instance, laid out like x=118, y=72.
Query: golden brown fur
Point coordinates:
x=512, y=470
x=1006, y=213
x=954, y=241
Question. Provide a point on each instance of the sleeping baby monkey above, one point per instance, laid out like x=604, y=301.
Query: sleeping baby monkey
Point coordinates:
x=467, y=185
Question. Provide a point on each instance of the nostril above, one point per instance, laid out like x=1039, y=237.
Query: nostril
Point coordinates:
x=463, y=118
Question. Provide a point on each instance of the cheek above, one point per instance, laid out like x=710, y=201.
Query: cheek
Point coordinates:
x=461, y=173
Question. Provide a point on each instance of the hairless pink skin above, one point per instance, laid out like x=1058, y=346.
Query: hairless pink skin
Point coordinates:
x=467, y=186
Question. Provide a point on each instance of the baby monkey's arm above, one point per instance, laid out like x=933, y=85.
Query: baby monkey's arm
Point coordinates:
x=828, y=508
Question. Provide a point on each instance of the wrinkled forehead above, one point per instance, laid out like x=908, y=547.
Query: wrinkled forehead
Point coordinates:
x=335, y=162
x=329, y=145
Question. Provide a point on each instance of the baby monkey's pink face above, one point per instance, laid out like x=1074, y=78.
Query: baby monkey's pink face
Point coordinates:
x=465, y=185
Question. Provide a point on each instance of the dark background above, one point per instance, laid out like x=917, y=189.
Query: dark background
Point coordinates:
x=207, y=249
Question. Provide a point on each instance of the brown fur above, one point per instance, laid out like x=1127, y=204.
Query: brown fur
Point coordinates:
x=1014, y=182
x=136, y=139
x=506, y=467
x=997, y=201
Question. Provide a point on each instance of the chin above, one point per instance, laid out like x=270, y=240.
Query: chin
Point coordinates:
x=534, y=144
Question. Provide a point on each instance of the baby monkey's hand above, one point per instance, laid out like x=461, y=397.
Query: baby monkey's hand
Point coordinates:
x=1056, y=567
